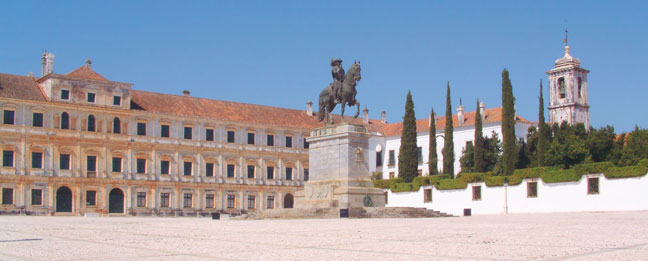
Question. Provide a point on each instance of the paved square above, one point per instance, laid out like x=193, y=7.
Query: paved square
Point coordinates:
x=579, y=236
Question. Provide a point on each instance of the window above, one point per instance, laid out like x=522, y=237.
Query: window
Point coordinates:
x=116, y=125
x=270, y=172
x=141, y=199
x=230, y=136
x=289, y=173
x=65, y=121
x=7, y=158
x=419, y=154
x=117, y=100
x=230, y=170
x=532, y=189
x=392, y=158
x=209, y=134
x=8, y=117
x=91, y=97
x=91, y=123
x=288, y=141
x=592, y=186
x=209, y=201
x=116, y=164
x=561, y=87
x=141, y=129
x=164, y=167
x=251, y=202
x=580, y=87
x=141, y=166
x=270, y=140
x=306, y=144
x=270, y=202
x=37, y=160
x=91, y=163
x=7, y=196
x=305, y=174
x=187, y=133
x=378, y=158
x=187, y=168
x=164, y=200
x=64, y=161
x=209, y=169
x=164, y=130
x=65, y=94
x=250, y=138
x=37, y=197
x=231, y=201
x=476, y=193
x=250, y=171
x=37, y=119
x=91, y=198
x=427, y=195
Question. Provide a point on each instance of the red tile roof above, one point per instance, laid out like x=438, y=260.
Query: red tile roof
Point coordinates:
x=86, y=73
x=491, y=116
x=20, y=87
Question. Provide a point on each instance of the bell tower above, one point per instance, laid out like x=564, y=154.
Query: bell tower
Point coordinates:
x=568, y=91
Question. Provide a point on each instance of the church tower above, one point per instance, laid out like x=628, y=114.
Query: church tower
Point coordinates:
x=568, y=91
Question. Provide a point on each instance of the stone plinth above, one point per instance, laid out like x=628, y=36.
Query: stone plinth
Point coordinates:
x=339, y=170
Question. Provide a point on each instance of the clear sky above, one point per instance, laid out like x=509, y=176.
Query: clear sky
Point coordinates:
x=278, y=53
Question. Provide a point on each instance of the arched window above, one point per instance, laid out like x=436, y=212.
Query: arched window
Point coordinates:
x=561, y=87
x=65, y=121
x=580, y=87
x=91, y=123
x=116, y=125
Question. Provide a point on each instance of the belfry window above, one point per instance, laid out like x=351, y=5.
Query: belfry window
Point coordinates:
x=580, y=87
x=561, y=87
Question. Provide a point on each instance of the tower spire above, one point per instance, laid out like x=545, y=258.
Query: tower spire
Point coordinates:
x=566, y=43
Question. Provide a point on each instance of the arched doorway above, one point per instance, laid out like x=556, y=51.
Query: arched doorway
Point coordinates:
x=116, y=201
x=288, y=201
x=64, y=199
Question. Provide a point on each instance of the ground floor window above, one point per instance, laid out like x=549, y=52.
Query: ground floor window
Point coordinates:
x=476, y=193
x=270, y=172
x=427, y=195
x=37, y=197
x=251, y=202
x=164, y=200
x=593, y=185
x=7, y=196
x=231, y=201
x=209, y=201
x=289, y=174
x=188, y=200
x=91, y=198
x=270, y=202
x=532, y=189
x=230, y=170
x=141, y=199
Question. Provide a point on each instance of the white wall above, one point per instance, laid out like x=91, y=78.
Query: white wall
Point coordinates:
x=614, y=195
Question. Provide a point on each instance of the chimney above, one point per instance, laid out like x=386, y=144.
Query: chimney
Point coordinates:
x=460, y=114
x=383, y=117
x=365, y=115
x=48, y=63
x=482, y=109
x=309, y=108
x=88, y=63
x=186, y=93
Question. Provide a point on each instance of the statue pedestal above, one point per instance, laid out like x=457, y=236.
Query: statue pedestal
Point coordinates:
x=339, y=170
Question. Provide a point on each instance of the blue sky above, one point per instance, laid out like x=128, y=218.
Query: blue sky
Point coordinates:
x=277, y=52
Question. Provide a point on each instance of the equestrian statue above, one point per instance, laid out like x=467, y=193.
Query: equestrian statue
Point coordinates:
x=341, y=91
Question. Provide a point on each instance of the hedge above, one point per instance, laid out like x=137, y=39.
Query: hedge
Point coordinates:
x=629, y=171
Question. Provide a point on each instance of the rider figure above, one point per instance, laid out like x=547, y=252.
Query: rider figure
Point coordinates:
x=338, y=77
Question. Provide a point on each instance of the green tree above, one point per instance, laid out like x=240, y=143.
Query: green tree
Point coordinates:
x=448, y=144
x=408, y=152
x=600, y=143
x=467, y=159
x=433, y=158
x=542, y=132
x=492, y=150
x=568, y=145
x=479, y=142
x=508, y=126
x=635, y=148
x=523, y=159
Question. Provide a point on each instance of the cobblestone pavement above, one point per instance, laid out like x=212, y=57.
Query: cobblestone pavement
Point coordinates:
x=578, y=236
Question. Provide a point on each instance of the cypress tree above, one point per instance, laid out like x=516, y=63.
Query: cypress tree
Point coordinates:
x=479, y=142
x=408, y=152
x=433, y=158
x=448, y=145
x=509, y=153
x=541, y=130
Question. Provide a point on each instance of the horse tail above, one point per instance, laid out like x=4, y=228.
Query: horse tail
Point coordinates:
x=322, y=107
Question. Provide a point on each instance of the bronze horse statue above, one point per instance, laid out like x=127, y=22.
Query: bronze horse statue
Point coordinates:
x=348, y=93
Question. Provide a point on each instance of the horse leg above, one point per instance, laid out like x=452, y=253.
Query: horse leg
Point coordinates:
x=343, y=103
x=358, y=111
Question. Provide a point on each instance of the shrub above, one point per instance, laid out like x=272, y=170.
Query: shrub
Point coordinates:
x=628, y=171
x=449, y=184
x=561, y=175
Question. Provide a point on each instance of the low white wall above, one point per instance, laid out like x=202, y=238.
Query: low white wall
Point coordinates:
x=614, y=195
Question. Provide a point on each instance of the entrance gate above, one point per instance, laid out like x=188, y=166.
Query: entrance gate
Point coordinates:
x=64, y=200
x=116, y=201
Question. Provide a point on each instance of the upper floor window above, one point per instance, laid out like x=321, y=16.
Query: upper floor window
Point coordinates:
x=65, y=121
x=209, y=134
x=250, y=171
x=141, y=166
x=8, y=117
x=65, y=94
x=37, y=119
x=91, y=97
x=230, y=136
x=91, y=123
x=187, y=133
x=561, y=87
x=117, y=100
x=580, y=87
x=289, y=175
x=116, y=164
x=187, y=168
x=392, y=158
x=250, y=138
x=419, y=154
x=306, y=145
x=379, y=159
x=116, y=125
x=270, y=172
x=164, y=167
x=230, y=170
x=141, y=128
x=270, y=140
x=288, y=141
x=64, y=161
x=164, y=130
x=91, y=163
x=209, y=169
x=37, y=160
x=7, y=158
